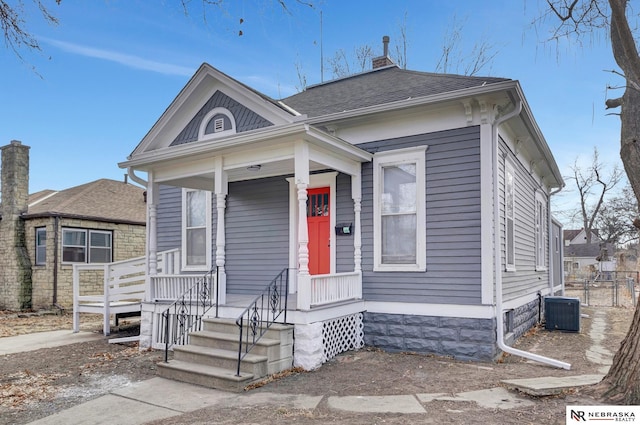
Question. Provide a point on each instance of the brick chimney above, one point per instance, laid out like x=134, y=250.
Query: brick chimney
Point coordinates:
x=15, y=266
x=383, y=60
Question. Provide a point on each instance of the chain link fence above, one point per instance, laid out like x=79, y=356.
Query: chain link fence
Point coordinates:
x=612, y=289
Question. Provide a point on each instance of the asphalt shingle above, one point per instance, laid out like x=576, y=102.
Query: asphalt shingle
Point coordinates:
x=104, y=199
x=377, y=87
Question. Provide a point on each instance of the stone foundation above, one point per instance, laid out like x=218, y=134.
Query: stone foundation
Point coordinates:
x=461, y=338
x=519, y=320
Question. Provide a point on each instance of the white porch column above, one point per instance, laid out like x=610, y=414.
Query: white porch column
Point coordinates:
x=146, y=318
x=302, y=182
x=221, y=191
x=356, y=194
x=152, y=226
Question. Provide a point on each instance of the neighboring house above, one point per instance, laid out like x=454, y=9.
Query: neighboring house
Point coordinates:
x=577, y=237
x=45, y=233
x=587, y=260
x=413, y=207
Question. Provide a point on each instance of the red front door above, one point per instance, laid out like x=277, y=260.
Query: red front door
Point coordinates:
x=318, y=219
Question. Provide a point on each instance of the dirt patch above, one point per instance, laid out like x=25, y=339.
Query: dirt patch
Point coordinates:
x=40, y=383
x=72, y=374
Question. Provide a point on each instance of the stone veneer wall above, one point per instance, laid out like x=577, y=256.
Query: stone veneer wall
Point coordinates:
x=128, y=242
x=522, y=319
x=461, y=338
x=15, y=267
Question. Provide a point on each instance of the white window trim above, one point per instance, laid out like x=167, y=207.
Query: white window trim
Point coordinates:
x=89, y=232
x=87, y=255
x=41, y=263
x=196, y=268
x=509, y=245
x=414, y=155
x=540, y=236
x=207, y=118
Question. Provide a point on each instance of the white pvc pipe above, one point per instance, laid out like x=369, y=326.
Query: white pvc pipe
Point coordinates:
x=498, y=258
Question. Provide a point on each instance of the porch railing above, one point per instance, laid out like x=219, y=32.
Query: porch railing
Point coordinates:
x=262, y=313
x=185, y=314
x=327, y=289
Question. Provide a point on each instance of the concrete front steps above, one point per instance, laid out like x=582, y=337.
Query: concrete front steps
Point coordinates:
x=211, y=357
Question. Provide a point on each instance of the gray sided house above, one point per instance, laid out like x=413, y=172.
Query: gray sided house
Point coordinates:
x=411, y=209
x=45, y=233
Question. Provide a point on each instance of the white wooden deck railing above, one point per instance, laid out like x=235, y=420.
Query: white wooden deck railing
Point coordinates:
x=123, y=289
x=327, y=289
x=172, y=287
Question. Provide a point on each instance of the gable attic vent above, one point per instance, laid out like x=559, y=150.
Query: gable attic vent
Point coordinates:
x=218, y=125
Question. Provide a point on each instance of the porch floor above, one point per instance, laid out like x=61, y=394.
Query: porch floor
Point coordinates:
x=236, y=303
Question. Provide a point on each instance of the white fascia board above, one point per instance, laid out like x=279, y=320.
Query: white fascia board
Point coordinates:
x=278, y=134
x=424, y=309
x=536, y=134
x=417, y=101
x=174, y=106
x=198, y=90
x=336, y=162
x=335, y=144
x=217, y=146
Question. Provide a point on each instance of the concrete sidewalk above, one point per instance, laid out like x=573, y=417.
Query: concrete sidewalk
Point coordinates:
x=38, y=340
x=160, y=398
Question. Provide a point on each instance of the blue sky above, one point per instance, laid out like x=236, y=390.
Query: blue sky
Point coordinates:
x=111, y=67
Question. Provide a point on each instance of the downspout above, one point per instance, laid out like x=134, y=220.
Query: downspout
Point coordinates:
x=498, y=243
x=131, y=172
x=552, y=270
x=56, y=225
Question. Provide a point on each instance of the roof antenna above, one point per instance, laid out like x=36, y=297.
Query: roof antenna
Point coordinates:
x=321, y=52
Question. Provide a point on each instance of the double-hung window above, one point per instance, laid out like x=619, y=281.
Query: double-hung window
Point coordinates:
x=510, y=213
x=399, y=205
x=540, y=231
x=41, y=246
x=196, y=229
x=86, y=246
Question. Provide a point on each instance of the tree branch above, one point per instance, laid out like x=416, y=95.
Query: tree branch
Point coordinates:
x=613, y=103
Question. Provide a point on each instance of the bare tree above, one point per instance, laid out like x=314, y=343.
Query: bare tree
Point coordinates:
x=401, y=43
x=615, y=220
x=339, y=64
x=455, y=60
x=17, y=36
x=302, y=77
x=593, y=184
x=577, y=18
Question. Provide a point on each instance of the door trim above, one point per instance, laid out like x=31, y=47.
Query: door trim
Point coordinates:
x=315, y=180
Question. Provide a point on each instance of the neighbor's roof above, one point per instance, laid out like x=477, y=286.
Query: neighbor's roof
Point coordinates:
x=570, y=235
x=587, y=250
x=102, y=200
x=377, y=87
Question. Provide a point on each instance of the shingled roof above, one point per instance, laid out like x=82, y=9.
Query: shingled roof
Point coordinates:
x=377, y=87
x=591, y=250
x=101, y=200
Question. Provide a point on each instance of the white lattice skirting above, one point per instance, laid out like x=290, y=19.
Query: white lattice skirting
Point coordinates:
x=342, y=334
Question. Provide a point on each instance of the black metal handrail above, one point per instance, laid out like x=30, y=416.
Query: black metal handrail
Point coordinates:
x=263, y=312
x=187, y=311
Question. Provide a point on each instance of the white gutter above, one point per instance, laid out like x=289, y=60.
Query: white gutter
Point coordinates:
x=498, y=258
x=132, y=173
